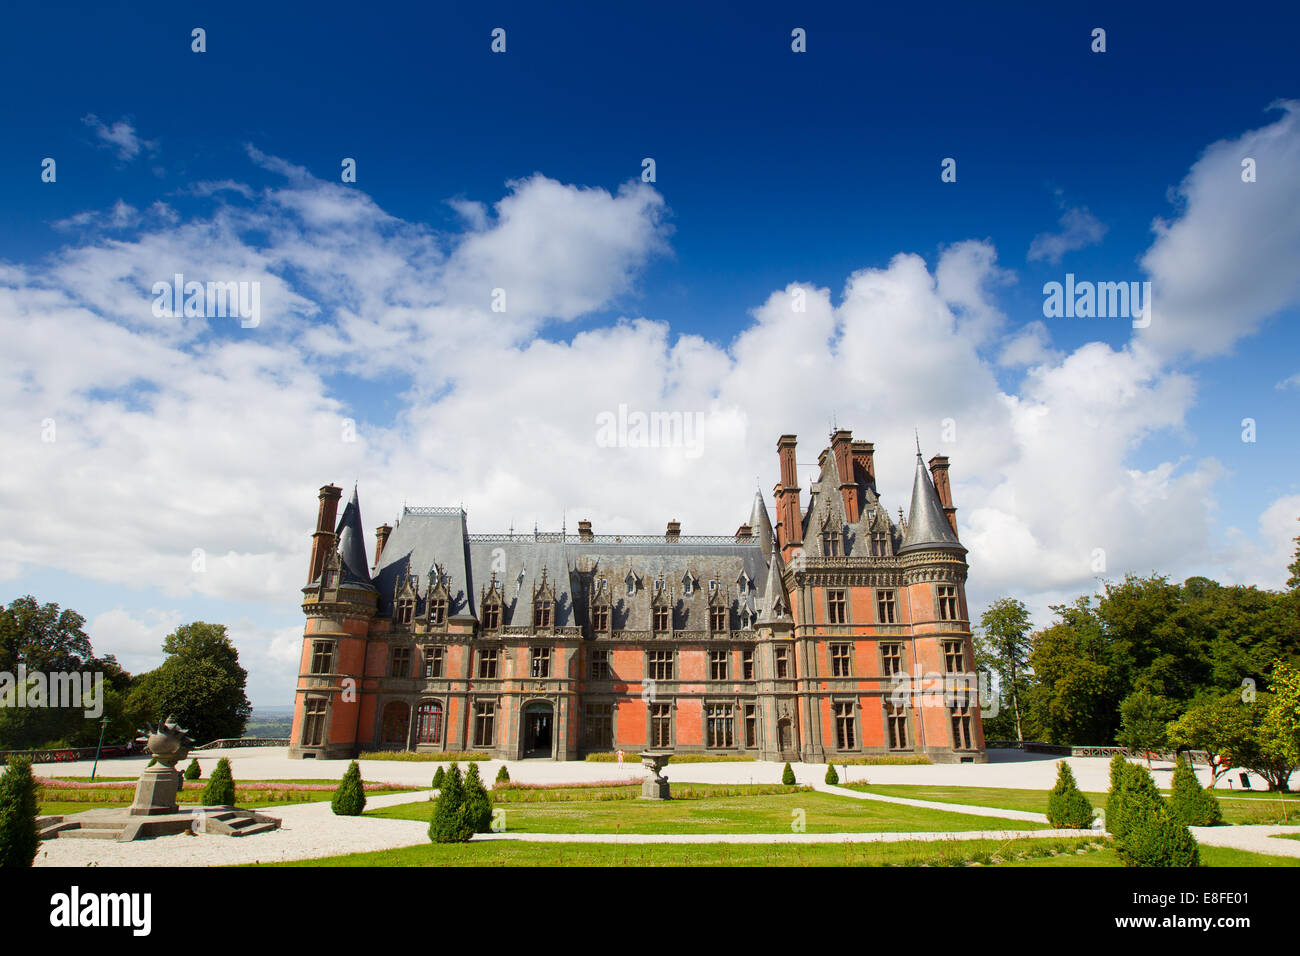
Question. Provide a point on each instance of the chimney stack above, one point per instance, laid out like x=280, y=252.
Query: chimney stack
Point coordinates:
x=841, y=448
x=322, y=541
x=674, y=530
x=381, y=539
x=584, y=530
x=744, y=533
x=939, y=474
x=789, y=518
x=864, y=460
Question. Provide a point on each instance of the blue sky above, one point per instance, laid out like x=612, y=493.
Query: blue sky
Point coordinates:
x=521, y=170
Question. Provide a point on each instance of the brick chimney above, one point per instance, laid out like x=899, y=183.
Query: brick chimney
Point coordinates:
x=841, y=448
x=864, y=460
x=939, y=473
x=789, y=517
x=674, y=530
x=381, y=539
x=744, y=533
x=584, y=530
x=322, y=541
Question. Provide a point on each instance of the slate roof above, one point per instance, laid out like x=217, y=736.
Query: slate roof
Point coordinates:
x=352, y=543
x=927, y=525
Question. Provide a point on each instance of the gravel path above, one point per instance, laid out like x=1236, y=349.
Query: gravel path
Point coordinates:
x=308, y=830
x=1256, y=839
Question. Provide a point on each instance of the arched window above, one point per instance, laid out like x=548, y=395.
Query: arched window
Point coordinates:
x=428, y=723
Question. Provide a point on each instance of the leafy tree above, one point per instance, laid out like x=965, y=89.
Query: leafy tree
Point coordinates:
x=350, y=797
x=200, y=683
x=449, y=823
x=1067, y=807
x=787, y=776
x=1145, y=721
x=19, y=837
x=1189, y=803
x=832, y=777
x=503, y=775
x=1293, y=582
x=220, y=791
x=438, y=776
x=193, y=771
x=42, y=637
x=1003, y=645
x=1270, y=748
x=1221, y=727
x=477, y=807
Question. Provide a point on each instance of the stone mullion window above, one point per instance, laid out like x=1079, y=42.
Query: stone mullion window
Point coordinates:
x=896, y=719
x=487, y=663
x=322, y=657
x=891, y=659
x=841, y=660
x=718, y=665
x=433, y=662
x=836, y=606
x=485, y=715
x=315, y=713
x=720, y=726
x=661, y=725
x=948, y=609
x=953, y=657
x=846, y=736
x=961, y=728
x=885, y=607
x=400, y=662
x=541, y=663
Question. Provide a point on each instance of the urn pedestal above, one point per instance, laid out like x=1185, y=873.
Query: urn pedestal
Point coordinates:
x=655, y=787
x=155, y=793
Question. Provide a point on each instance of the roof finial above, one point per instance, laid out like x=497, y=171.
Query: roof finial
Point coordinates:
x=918, y=441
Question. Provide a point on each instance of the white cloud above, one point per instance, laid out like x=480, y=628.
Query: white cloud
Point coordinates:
x=120, y=137
x=1079, y=229
x=1228, y=262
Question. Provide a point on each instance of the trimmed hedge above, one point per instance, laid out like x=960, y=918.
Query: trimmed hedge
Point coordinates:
x=1145, y=832
x=19, y=838
x=220, y=791
x=193, y=771
x=1067, y=807
x=787, y=776
x=1189, y=803
x=832, y=777
x=503, y=775
x=350, y=797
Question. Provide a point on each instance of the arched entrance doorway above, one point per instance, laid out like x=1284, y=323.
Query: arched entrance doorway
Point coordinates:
x=396, y=724
x=539, y=726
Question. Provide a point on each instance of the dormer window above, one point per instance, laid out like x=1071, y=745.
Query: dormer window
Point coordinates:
x=438, y=610
x=688, y=583
x=880, y=544
x=744, y=618
x=600, y=618
x=542, y=613
x=717, y=619
x=661, y=618
x=492, y=617
x=743, y=582
x=713, y=587
x=831, y=543
x=405, y=610
x=630, y=581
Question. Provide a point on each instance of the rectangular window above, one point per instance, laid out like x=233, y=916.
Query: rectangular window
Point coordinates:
x=661, y=726
x=891, y=659
x=717, y=619
x=836, y=610
x=400, y=665
x=487, y=664
x=948, y=602
x=438, y=611
x=961, y=738
x=885, y=607
x=428, y=723
x=718, y=665
x=751, y=726
x=600, y=618
x=896, y=718
x=953, y=658
x=830, y=544
x=313, y=728
x=840, y=660
x=880, y=544
x=598, y=727
x=845, y=731
x=405, y=610
x=719, y=725
x=660, y=665
x=600, y=669
x=747, y=665
x=485, y=722
x=322, y=657
x=541, y=663
x=433, y=662
x=782, y=663
x=542, y=614
x=491, y=618
x=661, y=618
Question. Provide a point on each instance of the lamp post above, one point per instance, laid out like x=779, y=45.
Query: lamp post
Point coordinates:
x=103, y=728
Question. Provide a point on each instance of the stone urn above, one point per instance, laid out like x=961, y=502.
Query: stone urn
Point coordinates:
x=155, y=793
x=655, y=787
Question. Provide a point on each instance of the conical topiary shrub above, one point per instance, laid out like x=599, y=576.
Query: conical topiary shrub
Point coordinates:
x=437, y=777
x=220, y=791
x=832, y=777
x=503, y=775
x=193, y=772
x=477, y=806
x=1145, y=832
x=787, y=776
x=448, y=824
x=350, y=797
x=1067, y=807
x=18, y=809
x=1189, y=803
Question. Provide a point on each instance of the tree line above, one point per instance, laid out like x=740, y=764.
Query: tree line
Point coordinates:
x=199, y=682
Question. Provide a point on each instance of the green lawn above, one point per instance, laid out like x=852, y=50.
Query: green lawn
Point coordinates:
x=1238, y=807
x=252, y=795
x=1286, y=836
x=746, y=813
x=1210, y=856
x=911, y=853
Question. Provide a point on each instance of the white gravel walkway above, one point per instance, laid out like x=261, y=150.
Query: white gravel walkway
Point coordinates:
x=1256, y=839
